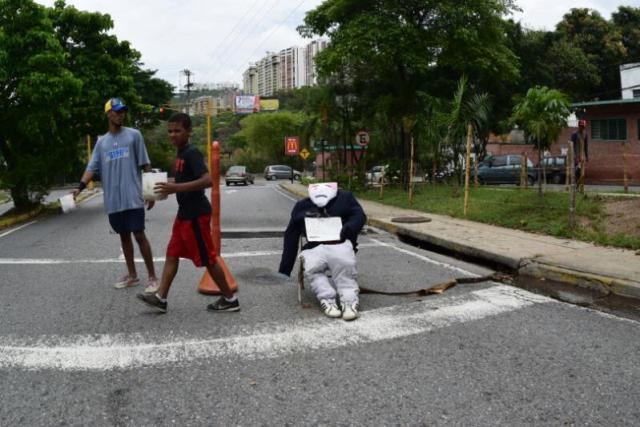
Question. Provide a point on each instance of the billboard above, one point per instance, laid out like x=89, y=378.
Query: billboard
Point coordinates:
x=247, y=104
x=269, y=105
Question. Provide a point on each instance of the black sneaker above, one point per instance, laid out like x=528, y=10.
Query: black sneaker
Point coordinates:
x=223, y=305
x=153, y=301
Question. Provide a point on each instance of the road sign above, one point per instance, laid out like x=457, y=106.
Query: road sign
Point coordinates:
x=304, y=153
x=362, y=138
x=291, y=146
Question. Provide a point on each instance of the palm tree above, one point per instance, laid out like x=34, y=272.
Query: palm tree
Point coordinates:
x=465, y=109
x=542, y=114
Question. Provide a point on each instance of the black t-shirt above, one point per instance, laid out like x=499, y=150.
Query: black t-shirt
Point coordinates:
x=189, y=166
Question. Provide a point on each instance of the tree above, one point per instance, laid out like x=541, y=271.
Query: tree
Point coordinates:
x=37, y=100
x=627, y=21
x=59, y=66
x=542, y=113
x=392, y=57
x=466, y=108
x=602, y=43
x=265, y=133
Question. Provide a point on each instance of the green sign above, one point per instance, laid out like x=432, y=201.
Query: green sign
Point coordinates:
x=318, y=147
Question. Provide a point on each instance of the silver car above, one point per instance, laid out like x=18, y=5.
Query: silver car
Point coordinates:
x=280, y=172
x=238, y=175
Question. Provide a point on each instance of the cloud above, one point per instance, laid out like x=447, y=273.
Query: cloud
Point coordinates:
x=545, y=14
x=217, y=39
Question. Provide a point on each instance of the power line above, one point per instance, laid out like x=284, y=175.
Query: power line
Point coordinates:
x=264, y=39
x=235, y=27
x=231, y=47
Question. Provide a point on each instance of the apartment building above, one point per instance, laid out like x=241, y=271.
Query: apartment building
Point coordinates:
x=311, y=50
x=250, y=80
x=290, y=68
x=268, y=74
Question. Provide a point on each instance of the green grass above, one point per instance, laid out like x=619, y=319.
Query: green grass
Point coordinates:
x=514, y=208
x=3, y=197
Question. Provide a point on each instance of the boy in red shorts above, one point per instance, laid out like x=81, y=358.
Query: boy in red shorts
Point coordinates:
x=191, y=234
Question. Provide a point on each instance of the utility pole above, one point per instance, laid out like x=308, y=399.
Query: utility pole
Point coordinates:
x=188, y=86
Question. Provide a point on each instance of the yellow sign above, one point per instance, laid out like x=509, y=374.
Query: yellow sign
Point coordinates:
x=269, y=104
x=304, y=153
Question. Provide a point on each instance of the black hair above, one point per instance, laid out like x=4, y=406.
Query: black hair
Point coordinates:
x=181, y=118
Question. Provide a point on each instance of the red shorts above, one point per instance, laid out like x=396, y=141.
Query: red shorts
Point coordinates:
x=191, y=239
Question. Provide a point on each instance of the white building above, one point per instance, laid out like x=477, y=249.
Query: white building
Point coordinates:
x=291, y=68
x=630, y=80
x=312, y=49
x=268, y=74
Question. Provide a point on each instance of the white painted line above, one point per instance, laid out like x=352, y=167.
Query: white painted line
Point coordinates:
x=427, y=259
x=6, y=233
x=282, y=193
x=106, y=352
x=120, y=259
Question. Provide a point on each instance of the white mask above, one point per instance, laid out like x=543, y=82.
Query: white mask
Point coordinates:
x=322, y=193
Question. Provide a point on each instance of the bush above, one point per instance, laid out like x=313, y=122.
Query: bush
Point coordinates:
x=306, y=180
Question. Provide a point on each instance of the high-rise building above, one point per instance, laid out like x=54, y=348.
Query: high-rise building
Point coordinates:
x=268, y=73
x=311, y=50
x=250, y=80
x=292, y=68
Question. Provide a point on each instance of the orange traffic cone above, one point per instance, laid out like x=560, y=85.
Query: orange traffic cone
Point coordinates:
x=207, y=284
x=210, y=287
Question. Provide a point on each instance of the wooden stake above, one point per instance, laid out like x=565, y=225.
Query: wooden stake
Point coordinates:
x=572, y=188
x=467, y=169
x=411, y=174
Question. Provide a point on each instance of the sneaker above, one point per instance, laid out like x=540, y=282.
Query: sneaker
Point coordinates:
x=152, y=300
x=223, y=305
x=126, y=282
x=350, y=311
x=330, y=308
x=152, y=286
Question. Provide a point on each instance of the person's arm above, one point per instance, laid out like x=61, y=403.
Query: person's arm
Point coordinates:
x=86, y=178
x=166, y=188
x=355, y=218
x=291, y=242
x=142, y=156
x=586, y=147
x=194, y=161
x=92, y=168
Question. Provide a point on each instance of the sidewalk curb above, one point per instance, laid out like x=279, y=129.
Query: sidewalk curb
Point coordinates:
x=9, y=222
x=604, y=285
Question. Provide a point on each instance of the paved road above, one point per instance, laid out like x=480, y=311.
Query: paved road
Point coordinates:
x=74, y=351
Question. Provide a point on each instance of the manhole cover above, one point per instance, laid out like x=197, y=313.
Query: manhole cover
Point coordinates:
x=410, y=219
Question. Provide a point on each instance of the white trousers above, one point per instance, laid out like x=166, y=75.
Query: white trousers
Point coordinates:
x=340, y=261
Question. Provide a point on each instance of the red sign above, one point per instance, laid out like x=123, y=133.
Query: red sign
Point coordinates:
x=291, y=146
x=362, y=138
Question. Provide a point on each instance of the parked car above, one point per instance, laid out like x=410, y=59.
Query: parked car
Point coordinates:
x=504, y=170
x=556, y=169
x=376, y=173
x=238, y=174
x=273, y=172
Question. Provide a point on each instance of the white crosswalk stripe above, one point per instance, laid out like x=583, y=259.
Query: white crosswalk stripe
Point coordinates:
x=106, y=352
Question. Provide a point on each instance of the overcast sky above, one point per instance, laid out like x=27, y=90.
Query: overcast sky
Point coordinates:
x=217, y=39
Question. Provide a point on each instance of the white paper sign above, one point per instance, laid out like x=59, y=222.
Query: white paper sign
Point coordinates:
x=323, y=229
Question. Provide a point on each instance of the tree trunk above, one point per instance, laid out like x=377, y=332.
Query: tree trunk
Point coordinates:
x=539, y=177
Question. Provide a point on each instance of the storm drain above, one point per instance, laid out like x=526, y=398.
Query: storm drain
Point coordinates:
x=410, y=219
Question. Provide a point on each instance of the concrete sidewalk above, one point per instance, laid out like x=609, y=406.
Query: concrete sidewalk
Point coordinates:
x=573, y=262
